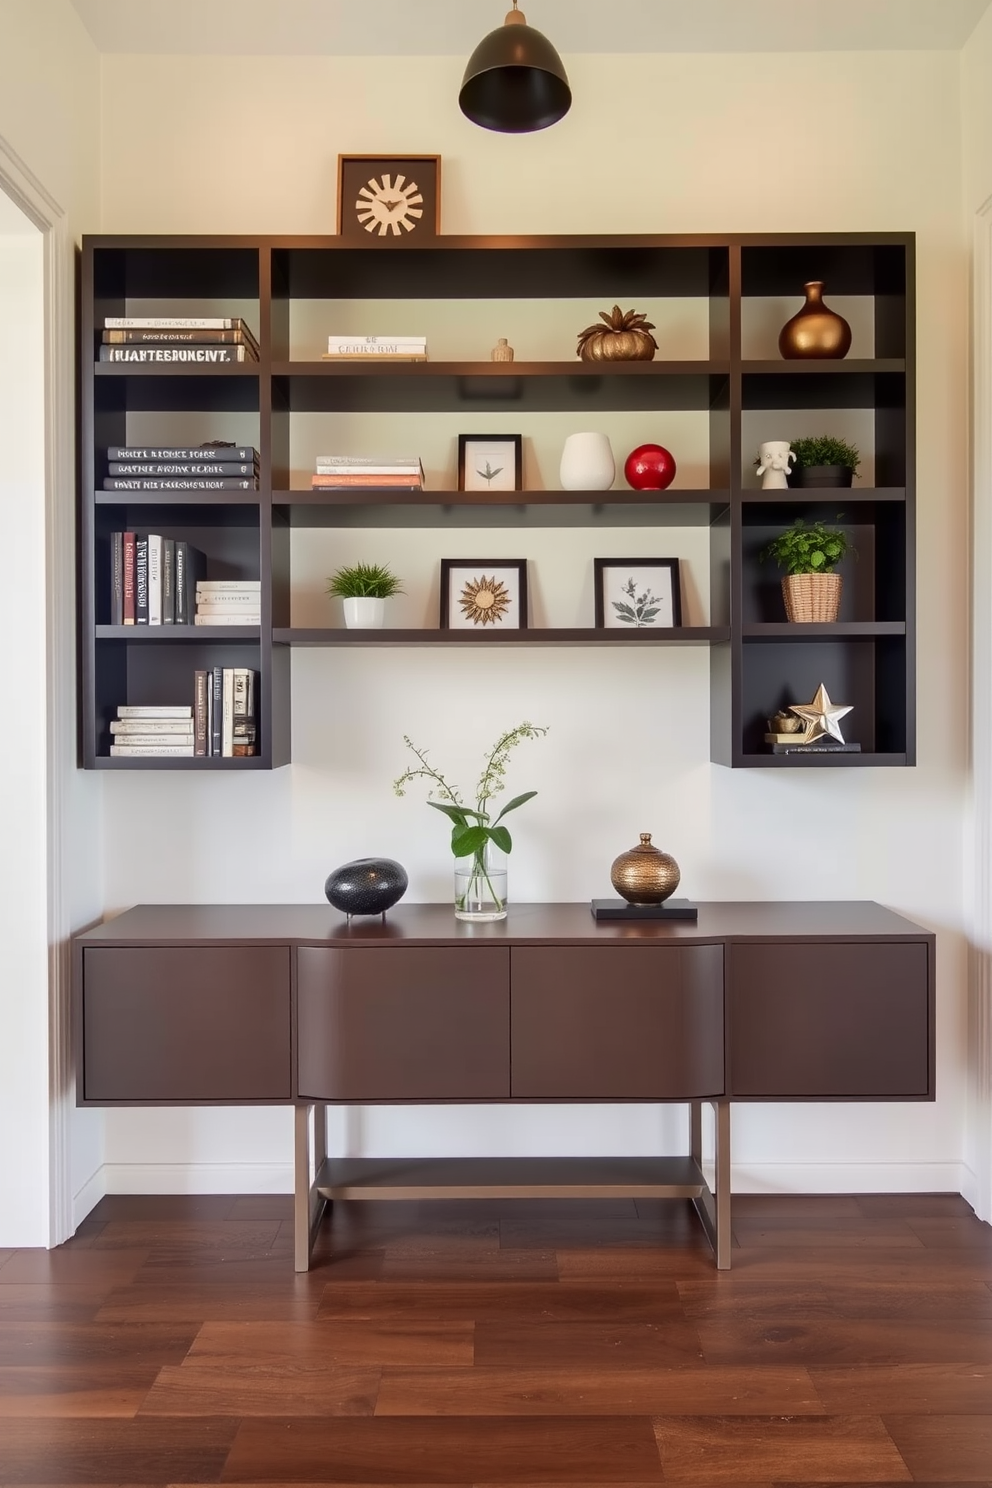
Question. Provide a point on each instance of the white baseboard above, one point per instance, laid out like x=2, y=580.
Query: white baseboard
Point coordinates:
x=197, y=1178
x=88, y=1197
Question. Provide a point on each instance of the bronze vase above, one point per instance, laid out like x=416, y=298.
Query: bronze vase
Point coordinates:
x=815, y=331
x=645, y=874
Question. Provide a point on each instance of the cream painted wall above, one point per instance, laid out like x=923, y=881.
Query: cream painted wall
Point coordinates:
x=659, y=144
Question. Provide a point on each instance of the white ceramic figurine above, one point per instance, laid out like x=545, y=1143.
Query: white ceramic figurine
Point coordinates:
x=773, y=464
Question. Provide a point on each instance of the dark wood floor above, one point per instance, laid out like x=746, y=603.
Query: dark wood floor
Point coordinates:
x=525, y=1342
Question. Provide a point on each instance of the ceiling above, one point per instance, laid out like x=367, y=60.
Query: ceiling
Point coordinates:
x=453, y=27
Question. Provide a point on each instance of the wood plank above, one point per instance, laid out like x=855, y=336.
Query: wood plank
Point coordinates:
x=906, y=1389
x=130, y=1207
x=730, y=1295
x=874, y=1263
x=262, y=1206
x=229, y=1235
x=519, y=1391
x=525, y=1301
x=790, y=1207
x=838, y=1232
x=76, y=1266
x=944, y=1448
x=221, y=1345
x=638, y=1264
x=415, y=1449
x=118, y=1452
x=94, y=1343
x=34, y=1302
x=844, y=1341
x=587, y=1345
x=960, y=1231
x=194, y=1304
x=490, y=1266
x=924, y=1300
x=90, y=1391
x=810, y=1449
x=237, y=1388
x=913, y=1206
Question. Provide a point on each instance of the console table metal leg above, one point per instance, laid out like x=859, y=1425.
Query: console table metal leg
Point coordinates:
x=308, y=1206
x=713, y=1205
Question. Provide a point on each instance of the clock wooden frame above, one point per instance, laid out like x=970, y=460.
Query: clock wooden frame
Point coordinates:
x=355, y=171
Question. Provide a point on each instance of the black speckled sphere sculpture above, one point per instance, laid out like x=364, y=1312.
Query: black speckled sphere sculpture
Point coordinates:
x=367, y=886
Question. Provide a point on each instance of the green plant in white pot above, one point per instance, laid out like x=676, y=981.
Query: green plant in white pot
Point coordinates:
x=364, y=589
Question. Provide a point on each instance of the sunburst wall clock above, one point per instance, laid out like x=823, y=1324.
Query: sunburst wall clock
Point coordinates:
x=388, y=201
x=485, y=595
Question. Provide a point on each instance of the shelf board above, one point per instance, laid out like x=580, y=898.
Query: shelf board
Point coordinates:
x=510, y=1177
x=848, y=367
x=821, y=494
x=787, y=630
x=147, y=762
x=176, y=369
x=153, y=633
x=818, y=761
x=360, y=367
x=177, y=498
x=676, y=635
x=671, y=508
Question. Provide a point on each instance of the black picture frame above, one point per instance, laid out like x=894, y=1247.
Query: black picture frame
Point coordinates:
x=668, y=568
x=515, y=449
x=356, y=173
x=473, y=569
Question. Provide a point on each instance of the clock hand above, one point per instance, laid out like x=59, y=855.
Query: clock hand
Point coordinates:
x=390, y=206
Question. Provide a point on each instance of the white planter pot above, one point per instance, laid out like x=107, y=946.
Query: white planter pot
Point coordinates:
x=587, y=463
x=364, y=614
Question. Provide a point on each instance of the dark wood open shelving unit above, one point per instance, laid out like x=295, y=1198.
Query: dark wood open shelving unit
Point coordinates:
x=758, y=662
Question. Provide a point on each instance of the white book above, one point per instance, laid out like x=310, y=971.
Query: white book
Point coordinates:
x=228, y=586
x=154, y=751
x=253, y=617
x=134, y=728
x=154, y=741
x=171, y=322
x=227, y=714
x=231, y=598
x=397, y=469
x=154, y=710
x=373, y=343
x=154, y=579
x=331, y=462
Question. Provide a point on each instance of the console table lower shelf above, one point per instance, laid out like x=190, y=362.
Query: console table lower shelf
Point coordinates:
x=320, y=1180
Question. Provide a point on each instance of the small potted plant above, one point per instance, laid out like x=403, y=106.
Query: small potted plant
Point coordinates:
x=364, y=588
x=809, y=554
x=824, y=461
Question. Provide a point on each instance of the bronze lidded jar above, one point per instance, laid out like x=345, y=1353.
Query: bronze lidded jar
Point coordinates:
x=815, y=331
x=645, y=874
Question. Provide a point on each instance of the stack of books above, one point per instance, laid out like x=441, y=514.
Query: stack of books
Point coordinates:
x=228, y=602
x=201, y=340
x=359, y=472
x=224, y=713
x=211, y=467
x=376, y=349
x=153, y=579
x=150, y=732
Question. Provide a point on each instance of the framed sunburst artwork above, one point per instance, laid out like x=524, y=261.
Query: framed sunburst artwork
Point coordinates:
x=486, y=595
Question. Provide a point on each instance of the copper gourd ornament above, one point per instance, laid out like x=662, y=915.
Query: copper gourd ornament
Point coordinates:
x=815, y=331
x=626, y=337
x=645, y=874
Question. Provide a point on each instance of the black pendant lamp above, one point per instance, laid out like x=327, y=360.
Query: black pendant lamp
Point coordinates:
x=515, y=82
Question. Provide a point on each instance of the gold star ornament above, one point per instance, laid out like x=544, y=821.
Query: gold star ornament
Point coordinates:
x=821, y=717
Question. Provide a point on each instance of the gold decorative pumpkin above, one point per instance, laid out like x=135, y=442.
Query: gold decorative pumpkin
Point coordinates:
x=626, y=337
x=645, y=874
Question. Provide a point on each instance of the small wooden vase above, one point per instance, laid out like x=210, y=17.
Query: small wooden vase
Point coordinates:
x=645, y=874
x=815, y=331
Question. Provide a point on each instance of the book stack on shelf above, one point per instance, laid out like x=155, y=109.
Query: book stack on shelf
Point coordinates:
x=197, y=340
x=224, y=723
x=210, y=467
x=153, y=732
x=354, y=473
x=229, y=602
x=153, y=579
x=376, y=349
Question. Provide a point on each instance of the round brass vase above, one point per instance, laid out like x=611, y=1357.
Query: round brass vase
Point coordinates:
x=645, y=875
x=815, y=331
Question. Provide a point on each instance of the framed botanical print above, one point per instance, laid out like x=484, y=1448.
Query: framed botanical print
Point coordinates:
x=637, y=593
x=385, y=201
x=490, y=462
x=485, y=594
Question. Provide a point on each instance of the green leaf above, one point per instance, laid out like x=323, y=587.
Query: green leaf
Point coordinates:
x=468, y=840
x=501, y=837
x=457, y=814
x=817, y=559
x=512, y=805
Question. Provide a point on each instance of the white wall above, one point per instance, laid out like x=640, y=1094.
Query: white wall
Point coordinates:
x=49, y=145
x=653, y=144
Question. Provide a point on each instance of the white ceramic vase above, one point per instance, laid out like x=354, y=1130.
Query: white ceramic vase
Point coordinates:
x=587, y=463
x=364, y=614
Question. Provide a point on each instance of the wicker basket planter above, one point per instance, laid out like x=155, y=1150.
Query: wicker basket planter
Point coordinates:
x=811, y=598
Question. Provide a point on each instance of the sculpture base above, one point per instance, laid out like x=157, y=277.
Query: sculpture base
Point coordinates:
x=619, y=909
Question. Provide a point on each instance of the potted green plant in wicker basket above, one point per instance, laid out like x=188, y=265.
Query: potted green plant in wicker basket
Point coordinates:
x=809, y=553
x=824, y=461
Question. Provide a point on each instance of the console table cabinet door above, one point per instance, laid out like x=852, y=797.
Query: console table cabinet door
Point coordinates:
x=617, y=1022
x=816, y=1020
x=191, y=1024
x=404, y=1024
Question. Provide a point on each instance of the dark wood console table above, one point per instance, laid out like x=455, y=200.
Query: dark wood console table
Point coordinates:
x=290, y=1005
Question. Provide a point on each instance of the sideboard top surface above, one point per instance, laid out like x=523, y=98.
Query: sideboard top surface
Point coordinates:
x=526, y=924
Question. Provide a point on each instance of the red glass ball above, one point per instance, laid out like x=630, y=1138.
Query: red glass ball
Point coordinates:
x=649, y=468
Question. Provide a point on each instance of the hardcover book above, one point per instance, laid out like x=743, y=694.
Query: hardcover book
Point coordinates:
x=242, y=453
x=199, y=355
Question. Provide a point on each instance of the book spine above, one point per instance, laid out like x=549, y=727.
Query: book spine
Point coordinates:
x=142, y=483
x=197, y=355
x=134, y=729
x=172, y=322
x=239, y=452
x=217, y=709
x=228, y=586
x=198, y=334
x=253, y=619
x=239, y=702
x=151, y=740
x=341, y=471
x=374, y=344
x=154, y=579
x=227, y=714
x=128, y=616
x=168, y=751
x=168, y=581
x=117, y=578
x=180, y=583
x=200, y=714
x=159, y=469
x=154, y=710
x=141, y=581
